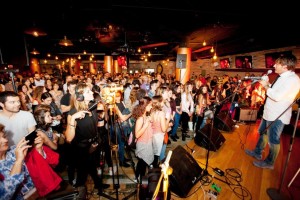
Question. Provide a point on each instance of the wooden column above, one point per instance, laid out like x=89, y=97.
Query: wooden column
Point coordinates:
x=108, y=64
x=183, y=75
x=92, y=68
x=35, y=66
x=117, y=67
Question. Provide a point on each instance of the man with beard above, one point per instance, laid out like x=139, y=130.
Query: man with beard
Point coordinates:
x=18, y=123
x=38, y=81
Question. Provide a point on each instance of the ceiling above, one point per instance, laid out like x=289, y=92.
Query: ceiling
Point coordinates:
x=120, y=27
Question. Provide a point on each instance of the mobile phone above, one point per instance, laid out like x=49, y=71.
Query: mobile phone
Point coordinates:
x=30, y=137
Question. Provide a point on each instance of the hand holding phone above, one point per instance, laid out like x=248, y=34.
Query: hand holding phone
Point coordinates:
x=31, y=137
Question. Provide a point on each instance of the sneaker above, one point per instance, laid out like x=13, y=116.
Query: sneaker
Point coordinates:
x=262, y=164
x=253, y=154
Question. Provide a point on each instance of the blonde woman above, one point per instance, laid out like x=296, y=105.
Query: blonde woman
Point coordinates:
x=166, y=108
x=160, y=124
x=187, y=105
x=81, y=132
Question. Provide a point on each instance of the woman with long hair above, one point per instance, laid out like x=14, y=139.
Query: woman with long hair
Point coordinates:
x=47, y=99
x=121, y=126
x=57, y=93
x=159, y=126
x=36, y=96
x=187, y=104
x=143, y=134
x=81, y=132
x=43, y=119
x=202, y=103
x=25, y=98
x=166, y=108
x=177, y=98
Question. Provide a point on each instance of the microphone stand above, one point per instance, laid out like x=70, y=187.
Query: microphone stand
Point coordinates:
x=205, y=172
x=273, y=193
x=166, y=171
x=115, y=149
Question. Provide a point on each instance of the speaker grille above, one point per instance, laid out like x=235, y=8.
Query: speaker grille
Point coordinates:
x=186, y=172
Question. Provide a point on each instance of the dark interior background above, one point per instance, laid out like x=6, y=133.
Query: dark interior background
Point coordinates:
x=120, y=27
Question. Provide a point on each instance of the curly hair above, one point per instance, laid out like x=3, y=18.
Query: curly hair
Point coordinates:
x=39, y=116
x=140, y=109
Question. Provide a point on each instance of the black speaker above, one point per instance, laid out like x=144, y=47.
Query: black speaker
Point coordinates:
x=223, y=122
x=181, y=61
x=203, y=138
x=186, y=172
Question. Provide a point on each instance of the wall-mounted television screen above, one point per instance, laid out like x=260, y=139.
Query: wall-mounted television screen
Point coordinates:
x=225, y=63
x=270, y=58
x=243, y=62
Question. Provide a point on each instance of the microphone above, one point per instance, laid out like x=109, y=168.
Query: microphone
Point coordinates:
x=94, y=105
x=259, y=77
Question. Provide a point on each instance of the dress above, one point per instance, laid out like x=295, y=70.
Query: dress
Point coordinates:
x=144, y=149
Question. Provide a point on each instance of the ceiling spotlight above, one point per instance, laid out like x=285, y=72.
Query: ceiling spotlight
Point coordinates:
x=65, y=42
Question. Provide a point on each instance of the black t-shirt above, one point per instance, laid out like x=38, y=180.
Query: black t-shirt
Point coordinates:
x=178, y=99
x=86, y=129
x=66, y=99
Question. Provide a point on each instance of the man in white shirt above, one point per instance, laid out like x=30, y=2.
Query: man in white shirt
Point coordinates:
x=277, y=110
x=38, y=81
x=18, y=123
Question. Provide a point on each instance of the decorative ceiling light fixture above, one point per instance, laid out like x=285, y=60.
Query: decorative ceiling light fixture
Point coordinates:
x=65, y=42
x=204, y=43
x=34, y=52
x=36, y=32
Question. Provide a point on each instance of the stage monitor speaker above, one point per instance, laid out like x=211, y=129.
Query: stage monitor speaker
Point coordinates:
x=203, y=138
x=186, y=172
x=223, y=122
x=181, y=61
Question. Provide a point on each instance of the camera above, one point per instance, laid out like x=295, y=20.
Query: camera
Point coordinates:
x=108, y=92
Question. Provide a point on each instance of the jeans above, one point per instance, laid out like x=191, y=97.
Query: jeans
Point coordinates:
x=272, y=136
x=163, y=152
x=121, y=137
x=176, y=124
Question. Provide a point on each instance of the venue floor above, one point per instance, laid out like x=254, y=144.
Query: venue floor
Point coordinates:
x=242, y=180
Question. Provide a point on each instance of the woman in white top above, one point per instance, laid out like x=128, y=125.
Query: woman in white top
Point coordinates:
x=187, y=104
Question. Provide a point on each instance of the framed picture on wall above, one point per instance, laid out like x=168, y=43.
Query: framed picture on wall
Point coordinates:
x=270, y=58
x=225, y=63
x=243, y=62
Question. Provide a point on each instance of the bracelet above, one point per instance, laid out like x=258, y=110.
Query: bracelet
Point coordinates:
x=72, y=125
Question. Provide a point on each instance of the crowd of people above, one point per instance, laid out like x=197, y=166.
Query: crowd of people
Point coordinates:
x=78, y=117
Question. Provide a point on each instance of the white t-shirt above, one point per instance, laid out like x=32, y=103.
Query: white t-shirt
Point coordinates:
x=18, y=126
